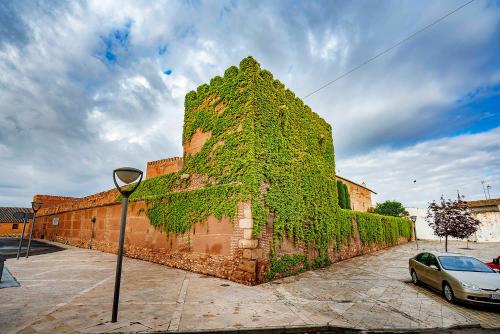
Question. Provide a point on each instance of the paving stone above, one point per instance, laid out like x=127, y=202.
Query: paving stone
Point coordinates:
x=72, y=291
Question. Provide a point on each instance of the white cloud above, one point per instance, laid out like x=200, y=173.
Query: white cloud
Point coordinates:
x=67, y=118
x=440, y=167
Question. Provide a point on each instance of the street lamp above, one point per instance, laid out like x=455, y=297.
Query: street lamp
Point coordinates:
x=127, y=175
x=35, y=206
x=24, y=216
x=414, y=220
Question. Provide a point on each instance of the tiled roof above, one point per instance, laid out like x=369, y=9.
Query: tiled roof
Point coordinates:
x=359, y=185
x=7, y=214
x=484, y=202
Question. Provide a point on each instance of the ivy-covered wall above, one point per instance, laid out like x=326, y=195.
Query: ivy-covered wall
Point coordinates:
x=265, y=147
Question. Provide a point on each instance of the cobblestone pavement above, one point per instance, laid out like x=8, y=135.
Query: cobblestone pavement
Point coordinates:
x=72, y=290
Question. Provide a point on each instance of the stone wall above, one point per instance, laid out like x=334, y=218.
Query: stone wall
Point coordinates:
x=354, y=247
x=164, y=166
x=361, y=197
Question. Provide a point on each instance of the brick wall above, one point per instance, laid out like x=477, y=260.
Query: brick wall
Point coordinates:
x=351, y=249
x=219, y=248
x=196, y=143
x=164, y=166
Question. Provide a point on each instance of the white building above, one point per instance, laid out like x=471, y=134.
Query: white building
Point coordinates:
x=486, y=211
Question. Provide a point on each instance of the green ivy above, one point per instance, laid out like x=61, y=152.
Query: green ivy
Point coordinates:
x=286, y=265
x=268, y=148
x=343, y=194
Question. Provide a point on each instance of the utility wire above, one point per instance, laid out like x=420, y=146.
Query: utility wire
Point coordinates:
x=387, y=50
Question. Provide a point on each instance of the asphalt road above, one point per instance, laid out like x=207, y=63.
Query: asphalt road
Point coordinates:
x=8, y=247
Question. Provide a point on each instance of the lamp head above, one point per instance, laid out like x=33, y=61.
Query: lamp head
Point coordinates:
x=413, y=218
x=36, y=206
x=127, y=175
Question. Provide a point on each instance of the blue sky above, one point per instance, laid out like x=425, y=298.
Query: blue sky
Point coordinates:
x=88, y=86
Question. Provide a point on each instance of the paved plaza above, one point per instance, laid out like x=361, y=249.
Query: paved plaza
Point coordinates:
x=72, y=291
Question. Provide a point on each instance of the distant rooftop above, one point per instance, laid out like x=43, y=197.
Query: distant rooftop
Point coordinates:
x=359, y=185
x=7, y=214
x=484, y=202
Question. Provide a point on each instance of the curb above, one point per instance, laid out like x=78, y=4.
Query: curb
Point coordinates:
x=327, y=329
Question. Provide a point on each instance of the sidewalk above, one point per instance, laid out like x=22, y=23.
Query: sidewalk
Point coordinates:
x=72, y=291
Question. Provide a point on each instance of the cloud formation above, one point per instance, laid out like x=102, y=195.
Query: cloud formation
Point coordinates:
x=91, y=85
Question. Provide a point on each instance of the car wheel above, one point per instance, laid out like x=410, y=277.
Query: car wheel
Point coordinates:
x=414, y=277
x=448, y=293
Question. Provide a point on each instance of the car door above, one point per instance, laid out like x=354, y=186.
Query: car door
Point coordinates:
x=433, y=274
x=421, y=266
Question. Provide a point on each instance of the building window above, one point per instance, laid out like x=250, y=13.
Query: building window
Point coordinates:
x=15, y=226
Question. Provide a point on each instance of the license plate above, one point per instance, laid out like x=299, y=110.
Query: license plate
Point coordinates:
x=494, y=296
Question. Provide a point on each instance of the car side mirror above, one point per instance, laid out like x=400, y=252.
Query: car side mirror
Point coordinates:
x=433, y=266
x=496, y=261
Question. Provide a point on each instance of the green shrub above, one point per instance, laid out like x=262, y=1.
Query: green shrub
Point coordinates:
x=287, y=265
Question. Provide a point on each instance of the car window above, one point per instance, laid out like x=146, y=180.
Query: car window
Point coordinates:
x=464, y=263
x=431, y=260
x=422, y=258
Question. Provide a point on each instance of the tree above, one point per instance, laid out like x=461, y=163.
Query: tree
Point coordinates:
x=451, y=219
x=343, y=194
x=347, y=198
x=391, y=208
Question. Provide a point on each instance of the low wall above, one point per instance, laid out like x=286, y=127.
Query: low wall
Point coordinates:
x=291, y=257
x=164, y=166
x=211, y=247
x=219, y=247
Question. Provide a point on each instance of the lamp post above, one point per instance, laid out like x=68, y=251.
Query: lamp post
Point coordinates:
x=35, y=206
x=24, y=216
x=127, y=175
x=414, y=220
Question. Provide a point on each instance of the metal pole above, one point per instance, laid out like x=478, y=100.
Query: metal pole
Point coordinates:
x=118, y=277
x=31, y=234
x=415, y=231
x=482, y=183
x=22, y=236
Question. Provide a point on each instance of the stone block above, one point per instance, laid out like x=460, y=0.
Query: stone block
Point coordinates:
x=253, y=254
x=246, y=223
x=247, y=233
x=247, y=210
x=244, y=243
x=247, y=253
x=247, y=266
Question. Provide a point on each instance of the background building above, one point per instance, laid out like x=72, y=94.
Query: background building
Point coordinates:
x=10, y=225
x=486, y=211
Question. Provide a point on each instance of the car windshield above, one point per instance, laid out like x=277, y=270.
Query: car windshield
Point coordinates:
x=464, y=263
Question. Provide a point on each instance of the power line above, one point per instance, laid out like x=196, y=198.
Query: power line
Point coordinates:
x=387, y=50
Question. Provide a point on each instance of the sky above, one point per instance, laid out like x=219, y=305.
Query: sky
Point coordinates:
x=89, y=86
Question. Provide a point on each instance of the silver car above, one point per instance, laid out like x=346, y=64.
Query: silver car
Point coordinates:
x=458, y=277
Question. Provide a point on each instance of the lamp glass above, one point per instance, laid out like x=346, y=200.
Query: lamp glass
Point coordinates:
x=36, y=206
x=128, y=175
x=413, y=218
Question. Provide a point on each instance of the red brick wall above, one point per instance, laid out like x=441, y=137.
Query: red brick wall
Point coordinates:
x=213, y=247
x=164, y=166
x=197, y=141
